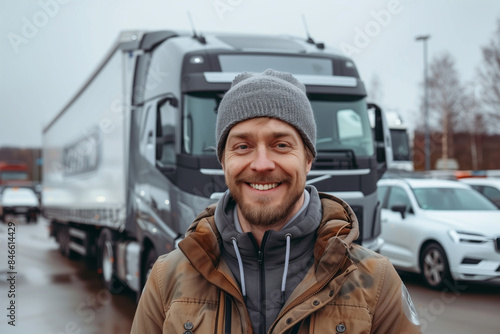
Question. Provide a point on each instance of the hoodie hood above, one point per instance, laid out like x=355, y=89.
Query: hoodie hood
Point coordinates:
x=338, y=220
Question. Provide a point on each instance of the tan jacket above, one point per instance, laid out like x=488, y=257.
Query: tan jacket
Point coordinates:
x=349, y=289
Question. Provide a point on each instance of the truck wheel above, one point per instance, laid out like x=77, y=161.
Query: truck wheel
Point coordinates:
x=107, y=262
x=434, y=266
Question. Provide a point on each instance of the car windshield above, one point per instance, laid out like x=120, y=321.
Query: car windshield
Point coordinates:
x=341, y=125
x=451, y=199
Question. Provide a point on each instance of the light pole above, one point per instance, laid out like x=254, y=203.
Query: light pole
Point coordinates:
x=424, y=38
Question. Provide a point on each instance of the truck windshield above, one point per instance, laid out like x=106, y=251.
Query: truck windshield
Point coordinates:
x=13, y=175
x=341, y=125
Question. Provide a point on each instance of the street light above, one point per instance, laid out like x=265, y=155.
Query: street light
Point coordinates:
x=424, y=38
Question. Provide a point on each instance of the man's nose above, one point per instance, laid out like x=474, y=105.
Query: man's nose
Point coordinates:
x=262, y=160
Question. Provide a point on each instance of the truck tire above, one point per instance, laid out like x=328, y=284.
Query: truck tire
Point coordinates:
x=434, y=266
x=107, y=262
x=147, y=265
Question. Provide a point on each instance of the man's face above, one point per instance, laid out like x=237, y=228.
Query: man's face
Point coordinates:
x=265, y=168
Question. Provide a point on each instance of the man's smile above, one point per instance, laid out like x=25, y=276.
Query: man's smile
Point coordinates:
x=266, y=186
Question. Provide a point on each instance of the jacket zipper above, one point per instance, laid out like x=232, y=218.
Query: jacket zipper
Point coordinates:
x=262, y=281
x=228, y=316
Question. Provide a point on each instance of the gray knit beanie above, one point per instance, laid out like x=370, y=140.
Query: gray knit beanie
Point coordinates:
x=270, y=94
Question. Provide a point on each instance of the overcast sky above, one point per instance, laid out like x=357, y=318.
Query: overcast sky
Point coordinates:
x=50, y=47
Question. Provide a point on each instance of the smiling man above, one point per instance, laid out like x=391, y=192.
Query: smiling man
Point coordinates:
x=265, y=166
x=274, y=255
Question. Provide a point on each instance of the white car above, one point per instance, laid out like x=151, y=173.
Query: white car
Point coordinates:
x=489, y=187
x=444, y=230
x=19, y=201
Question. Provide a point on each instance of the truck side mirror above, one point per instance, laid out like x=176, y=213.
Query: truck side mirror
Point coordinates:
x=399, y=208
x=382, y=137
x=165, y=134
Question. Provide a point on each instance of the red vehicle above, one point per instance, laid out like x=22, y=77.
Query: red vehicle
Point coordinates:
x=13, y=172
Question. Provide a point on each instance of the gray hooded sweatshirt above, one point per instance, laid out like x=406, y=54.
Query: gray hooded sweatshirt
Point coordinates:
x=269, y=274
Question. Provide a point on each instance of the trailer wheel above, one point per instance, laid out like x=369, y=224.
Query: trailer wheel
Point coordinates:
x=107, y=262
x=63, y=239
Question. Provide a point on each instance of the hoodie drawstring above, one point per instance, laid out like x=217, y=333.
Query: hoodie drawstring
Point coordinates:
x=240, y=265
x=288, y=236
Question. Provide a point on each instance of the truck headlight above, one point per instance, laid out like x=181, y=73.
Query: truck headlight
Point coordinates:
x=466, y=237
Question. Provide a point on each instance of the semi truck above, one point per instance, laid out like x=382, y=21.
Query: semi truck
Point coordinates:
x=13, y=172
x=401, y=148
x=130, y=161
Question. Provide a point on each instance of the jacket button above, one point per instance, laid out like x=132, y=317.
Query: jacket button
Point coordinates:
x=288, y=321
x=188, y=325
x=316, y=302
x=340, y=328
x=331, y=293
x=187, y=332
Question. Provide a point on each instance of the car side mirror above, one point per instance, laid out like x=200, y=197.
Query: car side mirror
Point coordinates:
x=401, y=209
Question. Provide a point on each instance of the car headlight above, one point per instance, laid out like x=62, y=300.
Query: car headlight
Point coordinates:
x=466, y=237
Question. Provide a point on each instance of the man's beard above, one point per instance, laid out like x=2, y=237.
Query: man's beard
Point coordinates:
x=263, y=213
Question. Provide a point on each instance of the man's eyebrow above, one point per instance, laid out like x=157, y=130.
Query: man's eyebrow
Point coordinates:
x=282, y=134
x=239, y=135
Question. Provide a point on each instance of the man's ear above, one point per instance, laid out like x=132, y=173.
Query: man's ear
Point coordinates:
x=222, y=159
x=308, y=165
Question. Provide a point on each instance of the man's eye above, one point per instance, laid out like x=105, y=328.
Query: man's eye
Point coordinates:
x=282, y=145
x=242, y=147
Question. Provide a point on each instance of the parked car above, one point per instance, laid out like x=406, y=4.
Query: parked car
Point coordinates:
x=19, y=201
x=442, y=229
x=489, y=187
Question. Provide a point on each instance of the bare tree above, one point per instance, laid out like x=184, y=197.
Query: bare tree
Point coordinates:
x=489, y=79
x=473, y=122
x=445, y=96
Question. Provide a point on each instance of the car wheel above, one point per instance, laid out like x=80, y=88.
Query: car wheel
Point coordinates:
x=434, y=266
x=107, y=262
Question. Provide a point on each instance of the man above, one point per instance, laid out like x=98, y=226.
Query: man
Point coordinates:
x=274, y=255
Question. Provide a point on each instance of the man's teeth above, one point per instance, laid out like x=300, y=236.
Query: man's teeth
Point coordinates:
x=263, y=186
